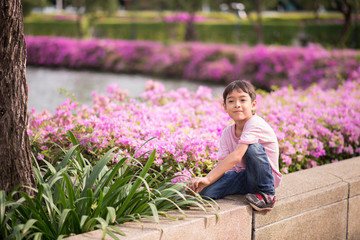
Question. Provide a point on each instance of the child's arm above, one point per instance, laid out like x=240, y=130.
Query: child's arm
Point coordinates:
x=199, y=183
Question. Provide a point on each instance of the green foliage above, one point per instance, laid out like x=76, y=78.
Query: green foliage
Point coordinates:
x=282, y=29
x=226, y=33
x=329, y=34
x=143, y=31
x=51, y=28
x=74, y=197
x=28, y=5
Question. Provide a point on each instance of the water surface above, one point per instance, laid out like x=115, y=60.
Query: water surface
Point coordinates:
x=45, y=85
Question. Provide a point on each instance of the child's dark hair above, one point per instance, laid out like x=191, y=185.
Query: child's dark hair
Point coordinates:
x=240, y=84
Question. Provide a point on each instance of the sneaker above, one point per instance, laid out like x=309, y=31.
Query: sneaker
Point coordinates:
x=260, y=201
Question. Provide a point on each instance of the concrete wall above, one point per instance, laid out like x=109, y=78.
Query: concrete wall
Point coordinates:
x=318, y=203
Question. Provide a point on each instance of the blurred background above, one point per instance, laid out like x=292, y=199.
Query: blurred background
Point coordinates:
x=332, y=24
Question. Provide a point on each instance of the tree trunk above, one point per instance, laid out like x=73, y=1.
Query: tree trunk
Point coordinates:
x=190, y=33
x=345, y=8
x=15, y=157
x=78, y=24
x=259, y=26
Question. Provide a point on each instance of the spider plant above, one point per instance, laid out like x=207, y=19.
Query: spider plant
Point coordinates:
x=74, y=197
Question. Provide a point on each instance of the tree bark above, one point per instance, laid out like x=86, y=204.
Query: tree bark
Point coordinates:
x=345, y=8
x=190, y=33
x=15, y=156
x=259, y=25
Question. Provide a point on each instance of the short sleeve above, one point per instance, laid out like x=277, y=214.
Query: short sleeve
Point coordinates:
x=224, y=148
x=250, y=134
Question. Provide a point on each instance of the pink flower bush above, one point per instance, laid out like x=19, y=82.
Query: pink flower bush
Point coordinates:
x=264, y=66
x=314, y=126
x=183, y=17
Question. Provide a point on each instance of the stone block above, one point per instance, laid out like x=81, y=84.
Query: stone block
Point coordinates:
x=304, y=181
x=298, y=204
x=354, y=186
x=354, y=218
x=328, y=222
x=234, y=222
x=345, y=169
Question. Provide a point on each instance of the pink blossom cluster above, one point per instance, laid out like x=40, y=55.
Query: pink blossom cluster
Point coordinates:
x=183, y=17
x=264, y=66
x=64, y=17
x=314, y=126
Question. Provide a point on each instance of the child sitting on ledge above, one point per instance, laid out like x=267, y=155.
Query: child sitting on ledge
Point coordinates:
x=248, y=154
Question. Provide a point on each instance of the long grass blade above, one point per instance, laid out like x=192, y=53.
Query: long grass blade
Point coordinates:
x=111, y=234
x=67, y=157
x=154, y=211
x=117, y=230
x=111, y=215
x=27, y=226
x=98, y=168
x=2, y=207
x=62, y=220
x=137, y=183
x=70, y=191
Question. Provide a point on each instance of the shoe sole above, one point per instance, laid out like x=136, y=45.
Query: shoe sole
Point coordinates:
x=257, y=208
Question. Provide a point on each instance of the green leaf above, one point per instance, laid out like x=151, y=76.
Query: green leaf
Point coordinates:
x=110, y=177
x=142, y=146
x=154, y=212
x=137, y=183
x=67, y=157
x=111, y=215
x=98, y=168
x=2, y=207
x=28, y=225
x=117, y=230
x=83, y=221
x=62, y=221
x=111, y=234
x=70, y=191
x=73, y=138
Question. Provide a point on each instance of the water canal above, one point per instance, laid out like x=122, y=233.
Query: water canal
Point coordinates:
x=45, y=84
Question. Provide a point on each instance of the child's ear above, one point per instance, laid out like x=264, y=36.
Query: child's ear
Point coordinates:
x=253, y=106
x=224, y=106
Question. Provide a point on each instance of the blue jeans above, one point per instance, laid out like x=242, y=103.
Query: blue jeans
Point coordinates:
x=257, y=177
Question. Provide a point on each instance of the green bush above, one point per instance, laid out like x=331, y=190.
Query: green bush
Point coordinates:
x=51, y=28
x=329, y=35
x=127, y=30
x=275, y=32
x=244, y=33
x=74, y=197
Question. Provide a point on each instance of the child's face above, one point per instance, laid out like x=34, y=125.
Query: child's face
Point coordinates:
x=239, y=106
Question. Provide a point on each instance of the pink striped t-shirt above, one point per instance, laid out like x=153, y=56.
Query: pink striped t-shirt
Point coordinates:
x=255, y=130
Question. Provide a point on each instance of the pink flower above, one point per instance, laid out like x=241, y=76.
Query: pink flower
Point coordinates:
x=40, y=156
x=184, y=175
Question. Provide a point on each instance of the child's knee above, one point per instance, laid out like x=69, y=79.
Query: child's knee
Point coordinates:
x=255, y=149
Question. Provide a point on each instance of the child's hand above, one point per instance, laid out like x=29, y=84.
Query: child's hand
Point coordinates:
x=199, y=183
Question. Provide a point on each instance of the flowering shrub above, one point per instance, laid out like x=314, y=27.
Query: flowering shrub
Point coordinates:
x=264, y=66
x=314, y=126
x=182, y=17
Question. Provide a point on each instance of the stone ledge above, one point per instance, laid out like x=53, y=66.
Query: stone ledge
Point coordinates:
x=313, y=204
x=326, y=197
x=327, y=222
x=235, y=222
